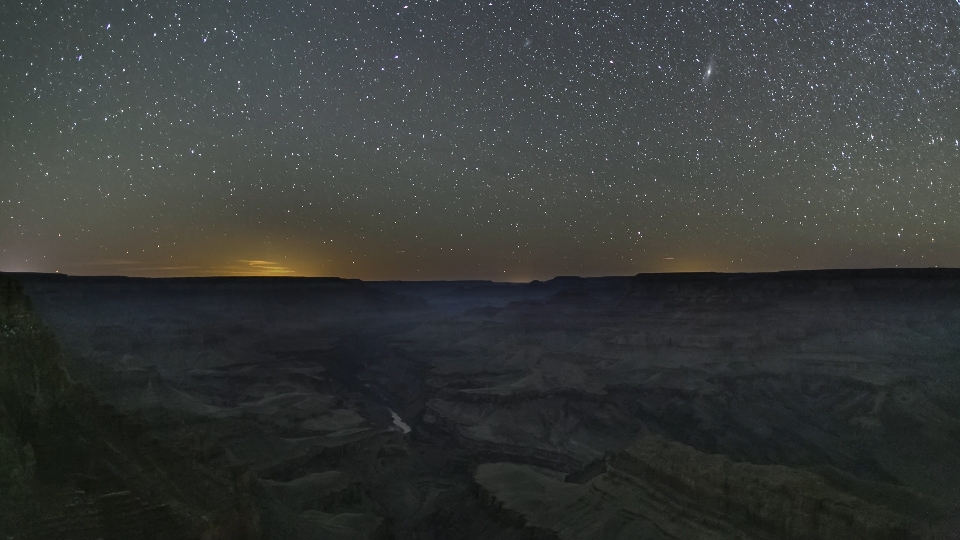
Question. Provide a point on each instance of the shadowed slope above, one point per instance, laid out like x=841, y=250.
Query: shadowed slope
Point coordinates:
x=72, y=468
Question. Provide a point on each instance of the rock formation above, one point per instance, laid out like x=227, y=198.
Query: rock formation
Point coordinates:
x=662, y=489
x=72, y=468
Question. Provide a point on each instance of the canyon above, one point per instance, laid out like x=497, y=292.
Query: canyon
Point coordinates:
x=801, y=405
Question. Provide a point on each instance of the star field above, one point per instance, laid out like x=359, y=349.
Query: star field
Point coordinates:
x=500, y=140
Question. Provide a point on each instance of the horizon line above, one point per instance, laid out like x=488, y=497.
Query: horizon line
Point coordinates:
x=880, y=269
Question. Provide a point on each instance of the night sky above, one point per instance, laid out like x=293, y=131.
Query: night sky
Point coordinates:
x=500, y=139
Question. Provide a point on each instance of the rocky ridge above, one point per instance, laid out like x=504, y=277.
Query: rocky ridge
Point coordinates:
x=661, y=489
x=72, y=467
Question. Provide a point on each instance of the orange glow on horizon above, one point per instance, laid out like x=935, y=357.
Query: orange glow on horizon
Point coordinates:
x=259, y=268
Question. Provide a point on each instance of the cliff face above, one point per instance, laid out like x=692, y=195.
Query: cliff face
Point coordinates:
x=661, y=489
x=29, y=386
x=72, y=468
x=31, y=379
x=776, y=500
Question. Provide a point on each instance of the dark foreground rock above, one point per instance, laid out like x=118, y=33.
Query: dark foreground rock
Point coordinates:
x=73, y=468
